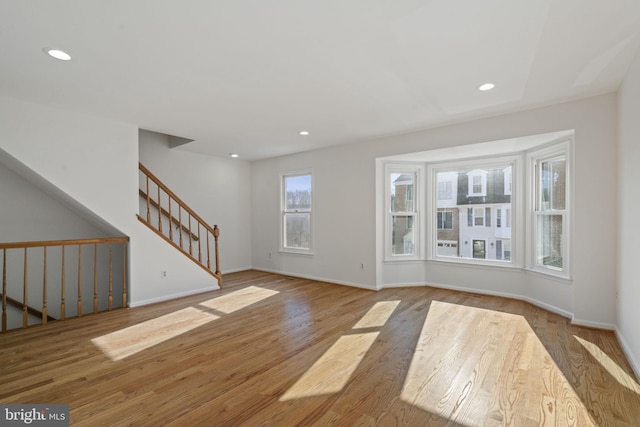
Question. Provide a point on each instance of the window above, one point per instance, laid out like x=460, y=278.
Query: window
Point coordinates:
x=507, y=180
x=503, y=210
x=477, y=183
x=444, y=190
x=445, y=220
x=503, y=217
x=402, y=197
x=403, y=214
x=550, y=211
x=473, y=222
x=296, y=212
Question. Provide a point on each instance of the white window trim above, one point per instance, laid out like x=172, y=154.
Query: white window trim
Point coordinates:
x=554, y=150
x=508, y=172
x=418, y=203
x=283, y=248
x=483, y=182
x=517, y=201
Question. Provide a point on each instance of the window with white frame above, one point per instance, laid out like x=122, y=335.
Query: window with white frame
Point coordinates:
x=445, y=220
x=482, y=220
x=509, y=210
x=445, y=190
x=507, y=180
x=402, y=205
x=297, y=205
x=550, y=210
x=477, y=183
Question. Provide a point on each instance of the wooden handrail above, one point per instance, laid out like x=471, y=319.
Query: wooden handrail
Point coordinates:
x=186, y=207
x=184, y=221
x=20, y=245
x=164, y=212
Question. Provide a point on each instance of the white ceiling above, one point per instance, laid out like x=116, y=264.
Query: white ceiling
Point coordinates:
x=246, y=76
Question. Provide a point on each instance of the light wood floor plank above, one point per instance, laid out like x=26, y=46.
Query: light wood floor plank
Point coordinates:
x=279, y=351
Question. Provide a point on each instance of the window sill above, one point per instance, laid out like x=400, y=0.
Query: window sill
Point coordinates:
x=471, y=264
x=296, y=252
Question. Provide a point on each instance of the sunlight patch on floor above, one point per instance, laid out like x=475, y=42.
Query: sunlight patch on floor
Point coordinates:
x=332, y=371
x=475, y=381
x=612, y=367
x=240, y=299
x=129, y=341
x=377, y=315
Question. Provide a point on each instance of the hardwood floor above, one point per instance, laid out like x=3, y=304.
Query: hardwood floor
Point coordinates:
x=274, y=350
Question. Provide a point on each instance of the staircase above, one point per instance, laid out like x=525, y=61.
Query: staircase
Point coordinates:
x=54, y=280
x=173, y=220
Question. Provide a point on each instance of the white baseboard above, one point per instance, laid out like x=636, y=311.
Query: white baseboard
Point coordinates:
x=532, y=301
x=635, y=364
x=237, y=270
x=590, y=324
x=319, y=279
x=403, y=285
x=172, y=296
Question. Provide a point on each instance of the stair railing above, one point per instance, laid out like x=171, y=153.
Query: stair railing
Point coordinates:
x=173, y=220
x=21, y=291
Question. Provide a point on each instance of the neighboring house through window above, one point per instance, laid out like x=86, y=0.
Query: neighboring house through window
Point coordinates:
x=297, y=205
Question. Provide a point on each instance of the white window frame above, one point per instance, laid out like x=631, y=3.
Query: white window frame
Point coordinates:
x=508, y=176
x=556, y=150
x=482, y=174
x=284, y=212
x=418, y=222
x=442, y=214
x=517, y=201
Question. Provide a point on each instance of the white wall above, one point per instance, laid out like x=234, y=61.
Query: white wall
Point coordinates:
x=628, y=208
x=95, y=162
x=216, y=188
x=345, y=211
x=29, y=214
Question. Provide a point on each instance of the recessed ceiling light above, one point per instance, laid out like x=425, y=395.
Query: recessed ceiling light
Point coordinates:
x=234, y=155
x=304, y=132
x=57, y=53
x=486, y=86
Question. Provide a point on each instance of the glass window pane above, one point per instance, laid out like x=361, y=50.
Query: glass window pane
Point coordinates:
x=549, y=248
x=402, y=235
x=402, y=192
x=297, y=230
x=465, y=221
x=297, y=192
x=553, y=183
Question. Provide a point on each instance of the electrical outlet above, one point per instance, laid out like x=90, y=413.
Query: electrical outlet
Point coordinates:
x=163, y=274
x=269, y=254
x=362, y=266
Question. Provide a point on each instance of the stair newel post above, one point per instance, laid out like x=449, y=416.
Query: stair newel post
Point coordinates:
x=216, y=234
x=79, y=280
x=4, y=290
x=95, y=278
x=44, y=287
x=62, y=305
x=25, y=307
x=110, y=276
x=124, y=273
